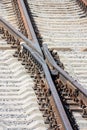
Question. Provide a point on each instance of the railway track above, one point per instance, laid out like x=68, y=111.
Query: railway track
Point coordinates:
x=41, y=94
x=57, y=32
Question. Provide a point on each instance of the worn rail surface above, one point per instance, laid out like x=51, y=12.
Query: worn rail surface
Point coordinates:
x=58, y=98
x=62, y=25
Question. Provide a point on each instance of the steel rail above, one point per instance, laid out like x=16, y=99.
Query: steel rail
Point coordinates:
x=52, y=87
x=28, y=24
x=18, y=34
x=40, y=59
x=62, y=72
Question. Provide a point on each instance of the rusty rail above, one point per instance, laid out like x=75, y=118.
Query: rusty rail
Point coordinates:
x=73, y=84
x=28, y=24
x=62, y=72
x=37, y=55
x=52, y=88
x=17, y=34
x=32, y=46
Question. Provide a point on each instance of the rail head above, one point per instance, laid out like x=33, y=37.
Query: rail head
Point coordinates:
x=28, y=24
x=67, y=80
x=52, y=87
x=38, y=56
x=29, y=46
x=18, y=35
x=61, y=71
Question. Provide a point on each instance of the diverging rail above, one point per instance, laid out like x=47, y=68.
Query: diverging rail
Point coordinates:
x=71, y=86
x=51, y=86
x=11, y=34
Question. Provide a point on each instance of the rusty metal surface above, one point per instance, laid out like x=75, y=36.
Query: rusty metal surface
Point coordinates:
x=62, y=72
x=40, y=59
x=17, y=34
x=52, y=88
x=74, y=91
x=28, y=24
x=37, y=54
